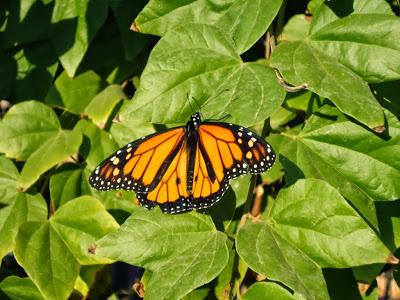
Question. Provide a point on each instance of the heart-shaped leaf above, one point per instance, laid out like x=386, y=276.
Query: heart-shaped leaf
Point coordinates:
x=101, y=106
x=53, y=151
x=361, y=165
x=25, y=127
x=8, y=180
x=183, y=251
x=331, y=11
x=66, y=184
x=299, y=63
x=98, y=145
x=18, y=288
x=66, y=91
x=23, y=207
x=329, y=238
x=243, y=21
x=347, y=41
x=76, y=24
x=213, y=77
x=309, y=226
x=51, y=252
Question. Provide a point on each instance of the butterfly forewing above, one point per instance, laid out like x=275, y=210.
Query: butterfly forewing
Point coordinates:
x=139, y=165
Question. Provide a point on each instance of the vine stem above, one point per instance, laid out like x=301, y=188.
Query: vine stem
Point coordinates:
x=269, y=48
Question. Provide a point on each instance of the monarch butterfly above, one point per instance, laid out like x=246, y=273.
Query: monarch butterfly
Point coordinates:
x=184, y=168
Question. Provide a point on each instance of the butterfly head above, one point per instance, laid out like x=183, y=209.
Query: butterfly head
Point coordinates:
x=194, y=122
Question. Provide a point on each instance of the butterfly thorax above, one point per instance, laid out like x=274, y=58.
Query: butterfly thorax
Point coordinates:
x=193, y=123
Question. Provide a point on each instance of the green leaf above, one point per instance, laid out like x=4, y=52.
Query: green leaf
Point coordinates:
x=79, y=223
x=389, y=223
x=20, y=288
x=361, y=165
x=281, y=117
x=314, y=217
x=25, y=127
x=198, y=294
x=112, y=200
x=177, y=267
x=125, y=11
x=240, y=187
x=310, y=226
x=76, y=24
x=71, y=181
x=299, y=63
x=46, y=259
x=213, y=78
x=102, y=105
x=37, y=64
x=328, y=12
x=267, y=253
x=50, y=252
x=243, y=21
x=347, y=41
x=98, y=145
x=106, y=55
x=277, y=171
x=66, y=184
x=75, y=94
x=367, y=273
x=224, y=282
x=387, y=92
x=28, y=21
x=223, y=211
x=23, y=208
x=267, y=290
x=313, y=5
x=296, y=28
x=8, y=180
x=256, y=103
x=129, y=130
x=52, y=152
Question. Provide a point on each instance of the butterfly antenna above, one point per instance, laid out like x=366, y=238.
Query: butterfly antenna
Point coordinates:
x=190, y=104
x=227, y=116
x=194, y=100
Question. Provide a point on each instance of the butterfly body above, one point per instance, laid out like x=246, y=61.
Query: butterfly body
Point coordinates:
x=184, y=168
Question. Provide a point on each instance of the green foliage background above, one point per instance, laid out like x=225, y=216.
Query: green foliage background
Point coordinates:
x=77, y=84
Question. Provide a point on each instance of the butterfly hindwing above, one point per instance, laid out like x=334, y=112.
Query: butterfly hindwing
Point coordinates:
x=171, y=192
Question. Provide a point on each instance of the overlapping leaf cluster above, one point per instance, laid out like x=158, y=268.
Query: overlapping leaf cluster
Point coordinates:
x=69, y=69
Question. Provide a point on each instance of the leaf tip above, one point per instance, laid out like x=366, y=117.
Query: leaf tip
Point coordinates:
x=134, y=27
x=92, y=248
x=379, y=129
x=138, y=287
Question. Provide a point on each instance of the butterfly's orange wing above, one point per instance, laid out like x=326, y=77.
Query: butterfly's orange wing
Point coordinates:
x=171, y=193
x=226, y=151
x=139, y=166
x=221, y=152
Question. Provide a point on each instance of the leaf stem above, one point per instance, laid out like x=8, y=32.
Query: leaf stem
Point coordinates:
x=287, y=87
x=270, y=46
x=257, y=204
